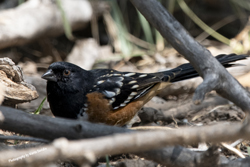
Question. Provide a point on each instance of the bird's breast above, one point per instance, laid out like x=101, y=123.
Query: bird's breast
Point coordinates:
x=64, y=104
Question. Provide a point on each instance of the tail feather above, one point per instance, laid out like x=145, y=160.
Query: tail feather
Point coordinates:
x=186, y=71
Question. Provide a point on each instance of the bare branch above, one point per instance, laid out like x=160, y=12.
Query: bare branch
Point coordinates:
x=182, y=111
x=87, y=150
x=214, y=75
x=52, y=128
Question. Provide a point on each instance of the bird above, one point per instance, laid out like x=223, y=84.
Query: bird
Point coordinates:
x=108, y=96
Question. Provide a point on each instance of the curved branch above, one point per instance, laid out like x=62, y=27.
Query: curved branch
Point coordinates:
x=215, y=76
x=49, y=128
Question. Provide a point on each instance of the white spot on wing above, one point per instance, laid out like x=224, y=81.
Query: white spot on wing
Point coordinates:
x=143, y=75
x=135, y=86
x=109, y=93
x=133, y=93
x=129, y=74
x=117, y=91
x=126, y=101
x=123, y=104
x=130, y=97
x=120, y=79
x=132, y=82
x=116, y=74
x=112, y=101
x=143, y=92
x=120, y=84
x=116, y=108
x=100, y=82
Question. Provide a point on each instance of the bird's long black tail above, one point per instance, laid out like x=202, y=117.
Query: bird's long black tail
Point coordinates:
x=186, y=71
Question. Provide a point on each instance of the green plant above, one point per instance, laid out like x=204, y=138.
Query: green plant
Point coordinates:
x=107, y=161
x=40, y=107
x=66, y=25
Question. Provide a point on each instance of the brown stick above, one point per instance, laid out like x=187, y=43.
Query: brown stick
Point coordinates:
x=182, y=111
x=87, y=150
x=52, y=128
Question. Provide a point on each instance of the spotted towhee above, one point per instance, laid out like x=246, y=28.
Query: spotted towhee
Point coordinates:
x=109, y=96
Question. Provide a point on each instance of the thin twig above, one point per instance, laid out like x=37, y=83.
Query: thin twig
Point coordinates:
x=14, y=137
x=151, y=128
x=232, y=149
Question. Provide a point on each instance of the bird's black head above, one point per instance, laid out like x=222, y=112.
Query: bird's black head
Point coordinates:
x=67, y=76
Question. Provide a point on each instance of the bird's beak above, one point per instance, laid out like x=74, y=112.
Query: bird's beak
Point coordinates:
x=49, y=76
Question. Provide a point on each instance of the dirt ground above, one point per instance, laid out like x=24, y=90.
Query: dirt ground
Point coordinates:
x=173, y=108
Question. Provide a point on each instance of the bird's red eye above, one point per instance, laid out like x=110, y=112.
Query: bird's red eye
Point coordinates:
x=66, y=72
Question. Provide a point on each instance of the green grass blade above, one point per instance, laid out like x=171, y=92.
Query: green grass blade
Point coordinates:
x=40, y=107
x=171, y=5
x=159, y=40
x=126, y=47
x=248, y=150
x=107, y=161
x=243, y=3
x=66, y=25
x=146, y=28
x=201, y=24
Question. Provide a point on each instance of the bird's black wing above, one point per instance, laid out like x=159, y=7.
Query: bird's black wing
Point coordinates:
x=121, y=88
